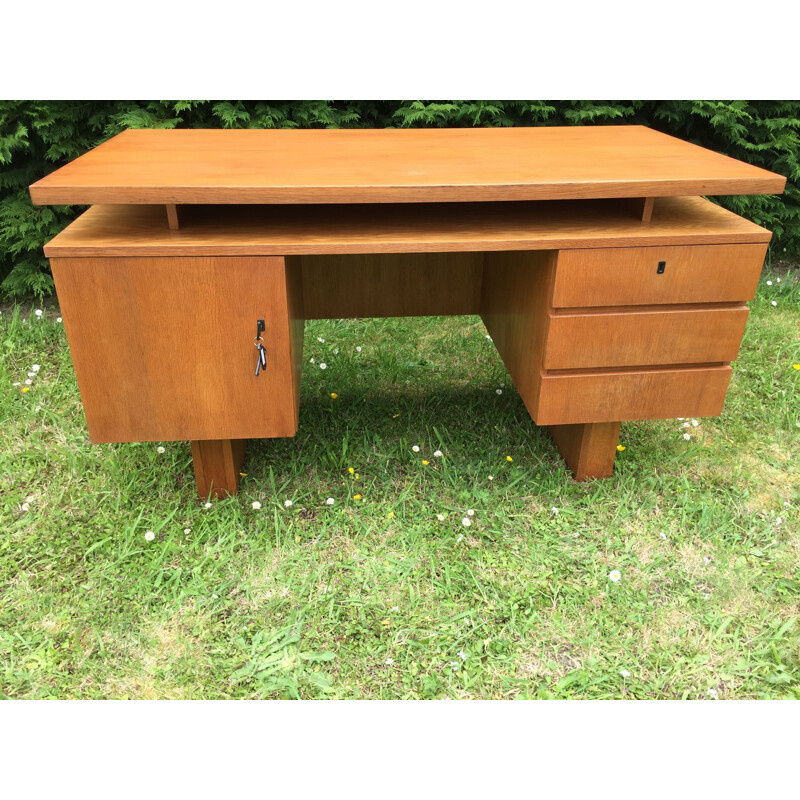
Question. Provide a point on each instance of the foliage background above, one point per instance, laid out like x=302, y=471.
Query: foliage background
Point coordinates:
x=36, y=137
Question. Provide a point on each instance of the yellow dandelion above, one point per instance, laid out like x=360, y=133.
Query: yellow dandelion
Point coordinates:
x=620, y=447
x=243, y=474
x=508, y=458
x=357, y=477
x=395, y=416
x=26, y=389
x=390, y=515
x=387, y=623
x=425, y=462
x=351, y=470
x=356, y=497
x=795, y=366
x=334, y=395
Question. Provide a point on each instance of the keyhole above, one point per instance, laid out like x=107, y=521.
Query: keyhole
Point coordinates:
x=662, y=265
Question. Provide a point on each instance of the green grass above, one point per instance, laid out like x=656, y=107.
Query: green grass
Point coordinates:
x=311, y=601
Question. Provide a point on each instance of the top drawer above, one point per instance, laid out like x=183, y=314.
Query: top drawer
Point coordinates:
x=613, y=276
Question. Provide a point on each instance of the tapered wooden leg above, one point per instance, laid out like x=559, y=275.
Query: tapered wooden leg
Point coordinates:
x=216, y=466
x=588, y=448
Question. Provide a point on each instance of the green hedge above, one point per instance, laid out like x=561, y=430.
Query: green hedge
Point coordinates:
x=36, y=137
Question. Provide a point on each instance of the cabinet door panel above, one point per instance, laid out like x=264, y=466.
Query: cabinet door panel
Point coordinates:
x=163, y=347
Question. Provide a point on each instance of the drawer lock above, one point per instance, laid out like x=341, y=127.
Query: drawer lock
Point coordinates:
x=262, y=353
x=662, y=265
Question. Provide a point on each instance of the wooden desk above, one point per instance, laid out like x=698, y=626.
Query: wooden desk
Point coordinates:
x=611, y=289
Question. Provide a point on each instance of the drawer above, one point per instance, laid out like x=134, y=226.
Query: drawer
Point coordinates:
x=644, y=338
x=611, y=396
x=616, y=276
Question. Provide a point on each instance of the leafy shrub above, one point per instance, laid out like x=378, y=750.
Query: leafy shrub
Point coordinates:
x=38, y=136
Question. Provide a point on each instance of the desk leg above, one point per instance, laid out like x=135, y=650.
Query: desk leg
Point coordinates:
x=588, y=448
x=216, y=466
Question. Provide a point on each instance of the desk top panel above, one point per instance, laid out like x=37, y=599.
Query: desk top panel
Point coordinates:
x=396, y=166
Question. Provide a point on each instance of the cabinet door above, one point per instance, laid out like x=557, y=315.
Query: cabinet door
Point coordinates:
x=163, y=347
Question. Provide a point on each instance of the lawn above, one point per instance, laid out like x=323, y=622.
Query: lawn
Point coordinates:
x=388, y=592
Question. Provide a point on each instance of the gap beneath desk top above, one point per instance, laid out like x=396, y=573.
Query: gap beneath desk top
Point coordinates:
x=129, y=230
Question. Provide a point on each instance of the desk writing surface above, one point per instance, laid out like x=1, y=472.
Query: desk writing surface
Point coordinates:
x=396, y=166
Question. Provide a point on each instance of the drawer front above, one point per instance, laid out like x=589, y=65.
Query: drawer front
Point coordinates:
x=163, y=347
x=640, y=394
x=644, y=338
x=618, y=276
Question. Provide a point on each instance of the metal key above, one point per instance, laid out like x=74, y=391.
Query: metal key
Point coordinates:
x=262, y=358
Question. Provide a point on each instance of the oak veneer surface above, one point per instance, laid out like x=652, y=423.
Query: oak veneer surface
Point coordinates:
x=392, y=285
x=448, y=227
x=626, y=338
x=629, y=276
x=589, y=449
x=163, y=348
x=646, y=393
x=395, y=166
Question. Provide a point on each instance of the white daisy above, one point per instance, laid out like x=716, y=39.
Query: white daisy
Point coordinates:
x=554, y=510
x=31, y=374
x=491, y=477
x=466, y=522
x=695, y=423
x=686, y=425
x=471, y=512
x=614, y=576
x=358, y=349
x=706, y=559
x=30, y=498
x=35, y=367
x=498, y=391
x=323, y=365
x=774, y=302
x=488, y=337
x=26, y=507
x=779, y=521
x=149, y=536
x=415, y=448
x=187, y=531
x=389, y=661
x=624, y=673
x=460, y=537
x=687, y=436
x=336, y=351
x=769, y=283
x=38, y=312
x=312, y=360
x=437, y=454
x=440, y=517
x=58, y=319
x=207, y=505
x=663, y=535
x=330, y=501
x=256, y=505
x=462, y=655
x=28, y=382
x=320, y=340
x=161, y=449
x=712, y=693
x=287, y=503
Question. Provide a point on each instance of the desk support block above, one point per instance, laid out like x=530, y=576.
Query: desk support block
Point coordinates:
x=216, y=466
x=588, y=448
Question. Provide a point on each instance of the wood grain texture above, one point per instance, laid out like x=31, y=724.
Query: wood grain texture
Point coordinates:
x=647, y=393
x=392, y=285
x=163, y=348
x=640, y=207
x=396, y=166
x=217, y=463
x=173, y=221
x=628, y=338
x=589, y=449
x=629, y=276
x=291, y=230
x=517, y=287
